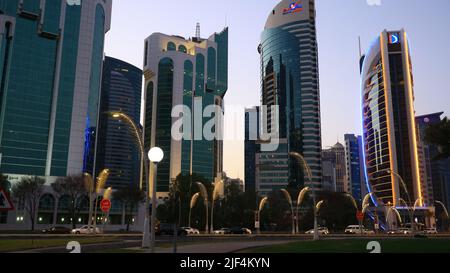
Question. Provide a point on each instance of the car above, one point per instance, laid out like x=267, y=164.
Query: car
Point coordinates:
x=355, y=229
x=222, y=231
x=405, y=231
x=431, y=231
x=168, y=229
x=57, y=230
x=320, y=230
x=190, y=231
x=240, y=231
x=86, y=230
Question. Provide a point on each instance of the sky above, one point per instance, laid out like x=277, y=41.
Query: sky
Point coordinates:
x=339, y=24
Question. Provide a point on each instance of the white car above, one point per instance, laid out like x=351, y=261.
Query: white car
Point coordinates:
x=191, y=231
x=355, y=229
x=86, y=230
x=222, y=231
x=431, y=231
x=321, y=231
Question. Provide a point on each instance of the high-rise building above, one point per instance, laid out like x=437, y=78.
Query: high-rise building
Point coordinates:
x=51, y=64
x=355, y=166
x=334, y=169
x=191, y=73
x=117, y=149
x=290, y=80
x=437, y=171
x=390, y=139
x=251, y=147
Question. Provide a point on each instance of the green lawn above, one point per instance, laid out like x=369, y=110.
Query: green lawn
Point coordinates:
x=359, y=246
x=26, y=244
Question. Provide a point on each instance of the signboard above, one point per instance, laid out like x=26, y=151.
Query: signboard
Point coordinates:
x=105, y=205
x=293, y=7
x=360, y=216
x=394, y=38
x=5, y=202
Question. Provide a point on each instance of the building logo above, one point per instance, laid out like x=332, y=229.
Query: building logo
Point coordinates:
x=394, y=38
x=294, y=7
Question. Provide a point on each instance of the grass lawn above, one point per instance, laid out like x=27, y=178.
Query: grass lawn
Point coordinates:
x=359, y=246
x=25, y=244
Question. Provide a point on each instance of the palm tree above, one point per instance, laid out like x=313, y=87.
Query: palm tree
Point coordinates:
x=439, y=134
x=130, y=198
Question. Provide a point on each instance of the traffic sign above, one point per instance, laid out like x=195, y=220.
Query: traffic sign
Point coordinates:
x=105, y=205
x=360, y=216
x=5, y=202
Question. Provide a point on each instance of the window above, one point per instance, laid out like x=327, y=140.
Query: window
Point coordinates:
x=171, y=46
x=182, y=48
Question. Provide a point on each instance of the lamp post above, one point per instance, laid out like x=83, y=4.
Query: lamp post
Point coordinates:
x=289, y=199
x=260, y=208
x=303, y=164
x=139, y=138
x=204, y=194
x=155, y=155
x=407, y=194
x=217, y=187
x=192, y=205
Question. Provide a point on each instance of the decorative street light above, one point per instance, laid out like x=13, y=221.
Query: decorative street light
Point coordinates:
x=192, y=205
x=155, y=155
x=289, y=199
x=217, y=187
x=303, y=164
x=262, y=203
x=204, y=194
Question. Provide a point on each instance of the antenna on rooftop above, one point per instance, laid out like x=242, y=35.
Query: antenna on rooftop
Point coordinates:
x=197, y=31
x=360, y=50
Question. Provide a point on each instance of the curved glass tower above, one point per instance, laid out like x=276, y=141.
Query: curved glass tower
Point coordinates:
x=116, y=149
x=390, y=139
x=290, y=79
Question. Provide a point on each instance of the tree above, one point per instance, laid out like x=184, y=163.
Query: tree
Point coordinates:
x=130, y=198
x=4, y=184
x=29, y=191
x=74, y=188
x=439, y=134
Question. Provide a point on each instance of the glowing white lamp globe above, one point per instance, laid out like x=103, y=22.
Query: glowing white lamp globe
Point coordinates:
x=156, y=155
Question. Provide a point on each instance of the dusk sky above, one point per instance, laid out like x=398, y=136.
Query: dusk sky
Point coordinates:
x=339, y=23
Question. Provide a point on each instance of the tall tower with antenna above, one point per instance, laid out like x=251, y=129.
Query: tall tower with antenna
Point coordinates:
x=197, y=31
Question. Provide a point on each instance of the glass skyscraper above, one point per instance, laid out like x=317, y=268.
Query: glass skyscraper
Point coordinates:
x=51, y=55
x=191, y=73
x=390, y=139
x=290, y=79
x=354, y=159
x=251, y=147
x=117, y=149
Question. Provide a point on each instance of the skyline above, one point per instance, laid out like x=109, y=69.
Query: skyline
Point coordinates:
x=429, y=68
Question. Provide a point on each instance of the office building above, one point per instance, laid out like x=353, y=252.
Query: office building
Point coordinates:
x=252, y=148
x=355, y=166
x=334, y=169
x=390, y=139
x=51, y=58
x=117, y=147
x=437, y=171
x=192, y=73
x=290, y=80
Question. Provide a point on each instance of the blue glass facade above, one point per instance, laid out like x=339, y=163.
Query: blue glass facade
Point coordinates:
x=290, y=80
x=355, y=172
x=117, y=149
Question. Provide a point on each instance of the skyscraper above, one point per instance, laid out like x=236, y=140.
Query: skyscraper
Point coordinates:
x=51, y=64
x=191, y=73
x=251, y=147
x=117, y=149
x=290, y=80
x=355, y=166
x=390, y=139
x=437, y=171
x=334, y=169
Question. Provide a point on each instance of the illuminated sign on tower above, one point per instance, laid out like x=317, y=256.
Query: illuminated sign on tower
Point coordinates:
x=293, y=7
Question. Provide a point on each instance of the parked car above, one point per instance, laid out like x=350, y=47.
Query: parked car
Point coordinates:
x=405, y=231
x=239, y=230
x=431, y=231
x=320, y=230
x=355, y=229
x=86, y=230
x=168, y=229
x=57, y=230
x=190, y=231
x=222, y=231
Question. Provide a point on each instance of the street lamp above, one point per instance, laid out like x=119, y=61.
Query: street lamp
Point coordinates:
x=204, y=194
x=139, y=138
x=289, y=199
x=260, y=208
x=155, y=155
x=303, y=164
x=192, y=205
x=217, y=187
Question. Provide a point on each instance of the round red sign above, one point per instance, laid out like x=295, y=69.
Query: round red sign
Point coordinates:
x=105, y=205
x=360, y=216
